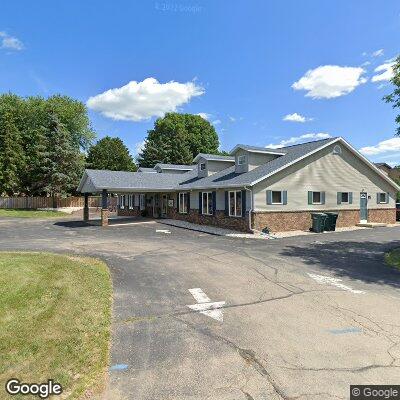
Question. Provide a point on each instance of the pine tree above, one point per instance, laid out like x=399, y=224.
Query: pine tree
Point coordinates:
x=63, y=164
x=11, y=152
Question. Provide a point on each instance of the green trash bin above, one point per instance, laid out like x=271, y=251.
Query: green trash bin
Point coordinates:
x=330, y=223
x=318, y=222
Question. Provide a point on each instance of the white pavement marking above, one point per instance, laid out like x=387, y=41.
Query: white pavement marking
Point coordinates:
x=205, y=306
x=334, y=282
x=163, y=231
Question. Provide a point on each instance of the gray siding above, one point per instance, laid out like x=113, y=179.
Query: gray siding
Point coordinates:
x=212, y=166
x=328, y=172
x=253, y=160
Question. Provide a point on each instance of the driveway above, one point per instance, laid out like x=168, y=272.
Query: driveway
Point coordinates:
x=295, y=318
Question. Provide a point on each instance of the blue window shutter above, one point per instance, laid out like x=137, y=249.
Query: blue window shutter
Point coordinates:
x=177, y=201
x=309, y=197
x=244, y=203
x=339, y=197
x=269, y=197
x=284, y=197
x=226, y=203
x=377, y=198
x=323, y=197
x=214, y=201
x=188, y=201
x=387, y=198
x=200, y=202
x=350, y=197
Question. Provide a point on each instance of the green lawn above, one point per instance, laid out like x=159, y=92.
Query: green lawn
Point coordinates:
x=393, y=258
x=8, y=212
x=55, y=316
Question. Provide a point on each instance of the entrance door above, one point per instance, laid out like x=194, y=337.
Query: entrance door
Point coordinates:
x=164, y=205
x=363, y=207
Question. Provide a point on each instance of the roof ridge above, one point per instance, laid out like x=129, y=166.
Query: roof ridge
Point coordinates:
x=311, y=141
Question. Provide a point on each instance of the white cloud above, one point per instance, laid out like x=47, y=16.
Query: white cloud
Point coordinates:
x=384, y=147
x=232, y=119
x=329, y=81
x=139, y=146
x=10, y=42
x=296, y=118
x=204, y=116
x=216, y=122
x=137, y=101
x=385, y=72
x=378, y=53
x=307, y=137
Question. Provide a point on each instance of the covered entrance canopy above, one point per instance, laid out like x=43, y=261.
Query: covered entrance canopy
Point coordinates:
x=121, y=182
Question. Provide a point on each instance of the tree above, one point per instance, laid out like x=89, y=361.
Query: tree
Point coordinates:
x=394, y=97
x=12, y=158
x=63, y=165
x=110, y=153
x=177, y=139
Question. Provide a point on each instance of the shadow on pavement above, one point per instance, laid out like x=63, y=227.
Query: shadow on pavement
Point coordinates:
x=363, y=261
x=96, y=222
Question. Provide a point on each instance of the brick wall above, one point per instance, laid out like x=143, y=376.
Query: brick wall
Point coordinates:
x=126, y=212
x=301, y=220
x=219, y=219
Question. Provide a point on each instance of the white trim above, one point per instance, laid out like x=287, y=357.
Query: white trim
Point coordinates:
x=266, y=151
x=232, y=159
x=242, y=159
x=349, y=146
x=234, y=199
x=184, y=203
x=348, y=198
x=312, y=197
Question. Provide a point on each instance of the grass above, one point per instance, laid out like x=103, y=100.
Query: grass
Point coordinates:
x=392, y=258
x=55, y=317
x=17, y=213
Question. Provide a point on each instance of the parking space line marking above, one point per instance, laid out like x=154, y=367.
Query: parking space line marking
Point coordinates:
x=205, y=306
x=321, y=279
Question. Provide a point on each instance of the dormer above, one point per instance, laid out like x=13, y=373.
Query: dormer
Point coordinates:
x=173, y=168
x=250, y=157
x=209, y=164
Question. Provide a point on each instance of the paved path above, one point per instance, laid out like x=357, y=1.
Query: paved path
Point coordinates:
x=303, y=317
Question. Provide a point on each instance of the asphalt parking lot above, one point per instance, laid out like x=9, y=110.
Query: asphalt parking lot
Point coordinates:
x=295, y=318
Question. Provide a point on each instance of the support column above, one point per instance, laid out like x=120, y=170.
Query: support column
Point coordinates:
x=86, y=208
x=104, y=208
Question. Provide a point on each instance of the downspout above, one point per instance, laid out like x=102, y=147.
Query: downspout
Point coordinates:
x=251, y=206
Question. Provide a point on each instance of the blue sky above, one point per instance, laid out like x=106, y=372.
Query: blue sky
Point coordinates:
x=244, y=65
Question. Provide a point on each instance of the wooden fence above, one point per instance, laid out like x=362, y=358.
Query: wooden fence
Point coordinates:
x=52, y=202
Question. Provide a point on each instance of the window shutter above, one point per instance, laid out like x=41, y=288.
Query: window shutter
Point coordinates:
x=226, y=203
x=200, y=202
x=387, y=198
x=284, y=197
x=377, y=198
x=244, y=203
x=339, y=197
x=322, y=197
x=188, y=201
x=269, y=197
x=309, y=197
x=214, y=202
x=178, y=199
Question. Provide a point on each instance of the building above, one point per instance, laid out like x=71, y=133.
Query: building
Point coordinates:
x=255, y=188
x=391, y=172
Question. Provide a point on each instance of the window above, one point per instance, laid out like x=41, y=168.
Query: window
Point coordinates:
x=122, y=201
x=277, y=197
x=345, y=197
x=242, y=160
x=202, y=166
x=206, y=206
x=383, y=198
x=316, y=198
x=130, y=201
x=183, y=203
x=235, y=203
x=141, y=201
